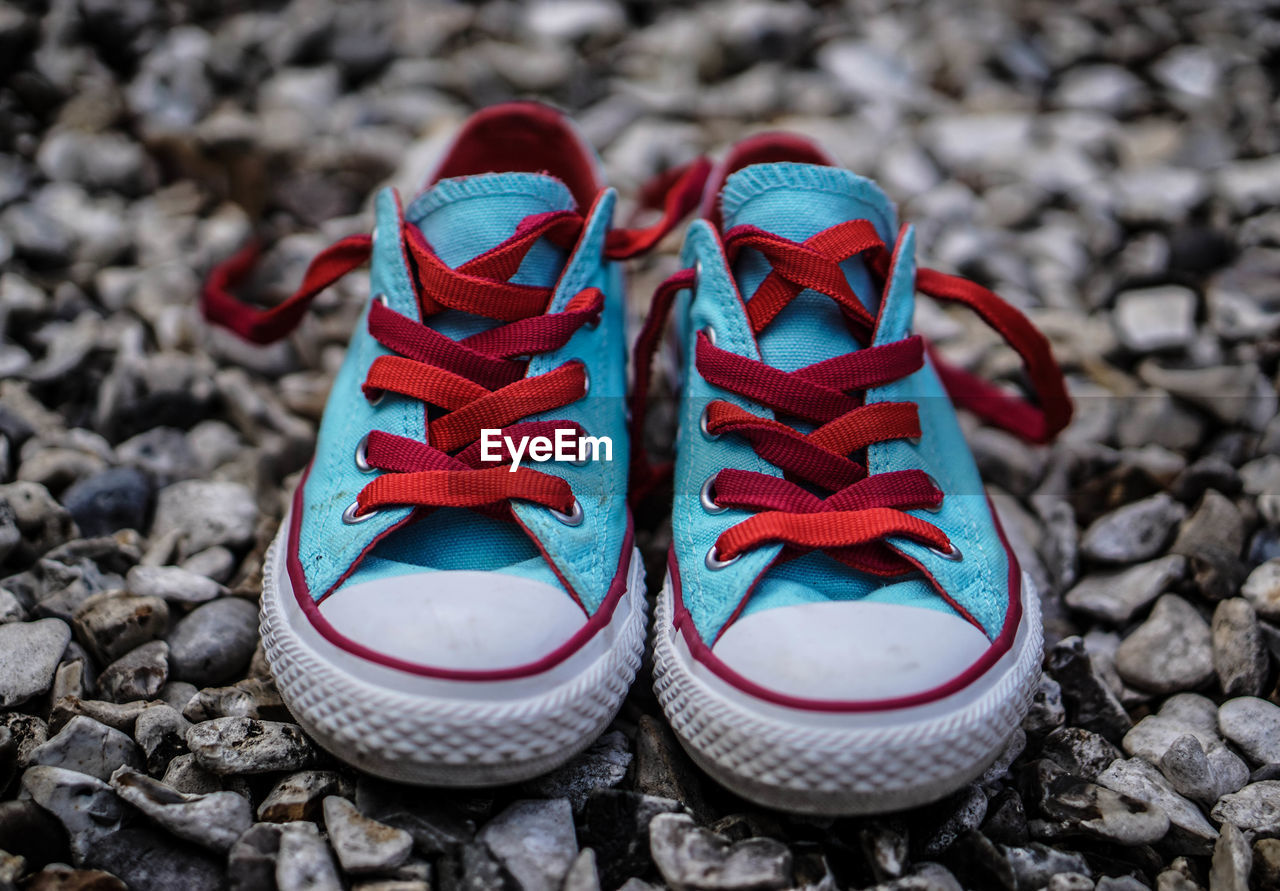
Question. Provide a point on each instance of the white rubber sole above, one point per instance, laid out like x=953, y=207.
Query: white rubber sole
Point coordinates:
x=835, y=764
x=430, y=731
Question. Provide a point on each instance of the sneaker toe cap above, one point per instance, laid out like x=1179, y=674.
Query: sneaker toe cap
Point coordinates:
x=850, y=650
x=456, y=620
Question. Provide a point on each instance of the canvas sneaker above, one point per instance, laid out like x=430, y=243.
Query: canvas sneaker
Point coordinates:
x=843, y=628
x=438, y=607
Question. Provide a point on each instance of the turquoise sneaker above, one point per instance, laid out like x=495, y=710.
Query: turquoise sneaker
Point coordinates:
x=454, y=597
x=843, y=628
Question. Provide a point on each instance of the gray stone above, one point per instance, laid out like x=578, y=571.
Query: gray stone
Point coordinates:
x=1239, y=652
x=438, y=825
x=298, y=796
x=1079, y=752
x=1266, y=863
x=251, y=698
x=138, y=674
x=663, y=768
x=1139, y=780
x=251, y=862
x=153, y=861
x=1091, y=703
x=173, y=583
x=165, y=453
x=108, y=500
x=205, y=513
x=185, y=774
x=110, y=624
x=11, y=609
x=86, y=746
x=214, y=820
x=1035, y=864
x=216, y=563
x=1071, y=881
x=534, y=841
x=1072, y=806
x=1203, y=776
x=98, y=160
x=214, y=642
x=161, y=731
x=248, y=746
x=615, y=823
x=925, y=877
x=304, y=862
x=951, y=818
x=1250, y=184
x=120, y=715
x=1212, y=539
x=1255, y=808
x=364, y=845
x=690, y=857
x=1120, y=883
x=1135, y=532
x=84, y=805
x=1110, y=89
x=582, y=875
x=1183, y=714
x=1169, y=652
x=1156, y=318
x=1254, y=725
x=1232, y=861
x=1234, y=394
x=1047, y=711
x=1157, y=194
x=885, y=847
x=601, y=766
x=1114, y=596
x=42, y=522
x=29, y=656
x=1262, y=590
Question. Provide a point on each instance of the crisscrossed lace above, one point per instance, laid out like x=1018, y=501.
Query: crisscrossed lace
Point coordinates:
x=476, y=383
x=861, y=510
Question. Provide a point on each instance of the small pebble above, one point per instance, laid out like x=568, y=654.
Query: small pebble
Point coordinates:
x=1171, y=651
x=247, y=746
x=31, y=651
x=213, y=642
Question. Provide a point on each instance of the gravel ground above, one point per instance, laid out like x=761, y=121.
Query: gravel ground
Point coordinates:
x=1109, y=169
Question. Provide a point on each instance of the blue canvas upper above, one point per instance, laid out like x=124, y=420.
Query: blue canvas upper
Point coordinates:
x=462, y=218
x=797, y=201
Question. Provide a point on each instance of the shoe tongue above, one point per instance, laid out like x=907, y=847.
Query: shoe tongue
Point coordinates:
x=463, y=217
x=797, y=201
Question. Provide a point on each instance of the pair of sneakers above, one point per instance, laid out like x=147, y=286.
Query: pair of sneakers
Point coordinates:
x=455, y=596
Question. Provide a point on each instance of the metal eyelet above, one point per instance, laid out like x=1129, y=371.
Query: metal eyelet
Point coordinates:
x=710, y=331
x=586, y=382
x=382, y=298
x=933, y=482
x=914, y=440
x=373, y=239
x=714, y=563
x=708, y=502
x=953, y=554
x=573, y=518
x=362, y=455
x=352, y=514
x=702, y=425
x=375, y=401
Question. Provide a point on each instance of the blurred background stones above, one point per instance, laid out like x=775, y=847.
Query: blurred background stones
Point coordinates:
x=1111, y=168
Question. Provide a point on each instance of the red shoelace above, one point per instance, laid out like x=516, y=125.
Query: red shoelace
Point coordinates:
x=471, y=384
x=862, y=510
